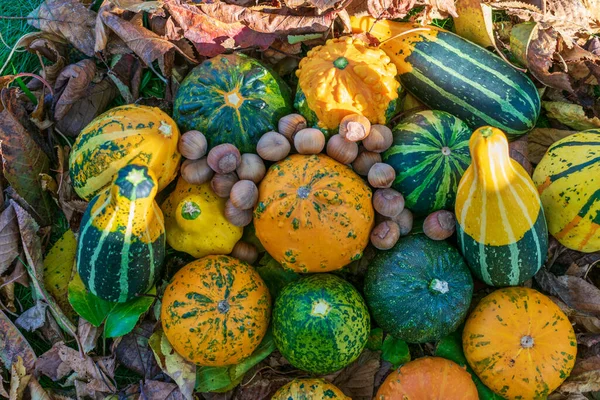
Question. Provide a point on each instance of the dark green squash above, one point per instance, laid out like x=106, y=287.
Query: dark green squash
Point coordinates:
x=419, y=290
x=232, y=99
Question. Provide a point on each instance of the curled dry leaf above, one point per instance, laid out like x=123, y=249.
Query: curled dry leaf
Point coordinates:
x=322, y=5
x=585, y=376
x=13, y=345
x=358, y=379
x=69, y=19
x=572, y=115
x=475, y=22
x=138, y=5
x=126, y=74
x=155, y=390
x=9, y=238
x=32, y=318
x=576, y=292
x=19, y=379
x=134, y=352
x=71, y=85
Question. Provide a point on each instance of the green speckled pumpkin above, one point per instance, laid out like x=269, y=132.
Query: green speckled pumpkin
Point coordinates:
x=309, y=389
x=420, y=290
x=320, y=323
x=232, y=99
x=216, y=311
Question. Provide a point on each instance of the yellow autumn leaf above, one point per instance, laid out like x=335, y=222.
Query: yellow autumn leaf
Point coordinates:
x=58, y=269
x=474, y=22
x=570, y=114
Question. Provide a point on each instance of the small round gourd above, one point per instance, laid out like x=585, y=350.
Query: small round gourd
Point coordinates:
x=342, y=150
x=379, y=140
x=237, y=216
x=364, y=161
x=309, y=389
x=354, y=127
x=439, y=225
x=224, y=158
x=428, y=378
x=244, y=194
x=223, y=183
x=251, y=167
x=309, y=141
x=290, y=124
x=273, y=146
x=388, y=202
x=193, y=145
x=385, y=235
x=196, y=172
x=381, y=175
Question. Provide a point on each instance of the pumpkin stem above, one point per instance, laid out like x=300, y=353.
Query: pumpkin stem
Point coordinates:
x=438, y=286
x=340, y=63
x=486, y=132
x=303, y=191
x=223, y=306
x=320, y=308
x=446, y=151
x=526, y=342
x=165, y=128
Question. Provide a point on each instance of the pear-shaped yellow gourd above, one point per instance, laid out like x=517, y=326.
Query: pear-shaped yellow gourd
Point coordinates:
x=195, y=221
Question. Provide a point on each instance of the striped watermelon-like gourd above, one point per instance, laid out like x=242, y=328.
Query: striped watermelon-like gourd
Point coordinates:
x=129, y=134
x=320, y=323
x=568, y=180
x=449, y=73
x=121, y=243
x=232, y=98
x=502, y=230
x=430, y=153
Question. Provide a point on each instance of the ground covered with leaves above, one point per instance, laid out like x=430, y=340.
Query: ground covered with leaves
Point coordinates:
x=63, y=62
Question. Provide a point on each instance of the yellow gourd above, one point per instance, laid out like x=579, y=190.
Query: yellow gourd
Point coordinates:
x=195, y=221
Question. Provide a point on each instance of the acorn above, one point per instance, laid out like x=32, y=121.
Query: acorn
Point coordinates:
x=251, y=168
x=289, y=125
x=439, y=225
x=404, y=221
x=309, y=141
x=196, y=172
x=244, y=194
x=245, y=251
x=273, y=146
x=381, y=175
x=355, y=127
x=237, y=216
x=364, y=161
x=341, y=149
x=222, y=184
x=379, y=140
x=388, y=202
x=224, y=158
x=193, y=145
x=385, y=235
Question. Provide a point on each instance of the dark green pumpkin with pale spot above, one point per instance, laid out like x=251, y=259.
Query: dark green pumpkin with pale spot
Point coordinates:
x=320, y=323
x=232, y=99
x=420, y=290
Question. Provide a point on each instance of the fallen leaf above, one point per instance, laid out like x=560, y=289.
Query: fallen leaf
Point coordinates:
x=126, y=74
x=32, y=318
x=13, y=345
x=51, y=365
x=36, y=391
x=88, y=335
x=575, y=292
x=9, y=238
x=395, y=351
x=69, y=19
x=475, y=22
x=19, y=379
x=539, y=139
x=180, y=370
x=518, y=150
x=357, y=380
x=390, y=8
x=158, y=390
x=93, y=375
x=274, y=275
x=59, y=266
x=52, y=47
x=72, y=85
x=137, y=6
x=322, y=5
x=134, y=352
x=571, y=115
x=585, y=376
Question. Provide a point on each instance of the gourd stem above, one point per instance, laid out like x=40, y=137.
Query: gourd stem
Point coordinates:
x=223, y=306
x=438, y=287
x=340, y=63
x=446, y=151
x=526, y=342
x=486, y=132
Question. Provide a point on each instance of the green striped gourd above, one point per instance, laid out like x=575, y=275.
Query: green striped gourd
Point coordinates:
x=449, y=73
x=500, y=220
x=121, y=243
x=568, y=180
x=430, y=153
x=232, y=98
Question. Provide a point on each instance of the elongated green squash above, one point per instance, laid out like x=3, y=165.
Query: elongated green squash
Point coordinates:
x=502, y=230
x=121, y=243
x=449, y=73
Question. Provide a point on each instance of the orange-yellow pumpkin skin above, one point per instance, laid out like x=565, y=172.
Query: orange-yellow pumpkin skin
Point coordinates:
x=519, y=343
x=216, y=311
x=313, y=214
x=428, y=378
x=309, y=389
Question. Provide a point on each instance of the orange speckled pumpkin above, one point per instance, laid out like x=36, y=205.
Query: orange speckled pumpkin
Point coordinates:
x=313, y=214
x=309, y=389
x=216, y=311
x=428, y=378
x=519, y=343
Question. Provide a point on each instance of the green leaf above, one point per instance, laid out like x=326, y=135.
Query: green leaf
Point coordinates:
x=122, y=318
x=91, y=308
x=395, y=351
x=250, y=237
x=375, y=341
x=274, y=275
x=293, y=39
x=58, y=269
x=212, y=379
x=450, y=347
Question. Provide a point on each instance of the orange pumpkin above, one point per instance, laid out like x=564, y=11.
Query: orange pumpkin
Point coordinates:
x=519, y=343
x=313, y=214
x=428, y=378
x=216, y=311
x=309, y=389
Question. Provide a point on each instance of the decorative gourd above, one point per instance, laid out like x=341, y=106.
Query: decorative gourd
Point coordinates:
x=320, y=323
x=430, y=153
x=345, y=76
x=519, y=343
x=419, y=268
x=313, y=214
x=233, y=99
x=128, y=134
x=428, y=378
x=568, y=180
x=195, y=221
x=309, y=389
x=449, y=73
x=216, y=311
x=121, y=243
x=500, y=221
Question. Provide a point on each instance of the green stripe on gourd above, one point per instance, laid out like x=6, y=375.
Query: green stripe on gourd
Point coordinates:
x=430, y=153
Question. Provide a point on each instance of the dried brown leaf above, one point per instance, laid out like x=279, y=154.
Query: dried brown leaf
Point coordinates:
x=575, y=292
x=36, y=391
x=390, y=8
x=9, y=238
x=51, y=365
x=32, y=318
x=88, y=335
x=358, y=379
x=93, y=375
x=135, y=354
x=69, y=19
x=585, y=376
x=519, y=152
x=72, y=85
x=19, y=379
x=13, y=345
x=572, y=115
x=322, y=5
x=539, y=139
x=158, y=390
x=126, y=74
x=51, y=47
x=138, y=5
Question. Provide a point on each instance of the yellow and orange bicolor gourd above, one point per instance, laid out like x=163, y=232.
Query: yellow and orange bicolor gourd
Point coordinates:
x=501, y=225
